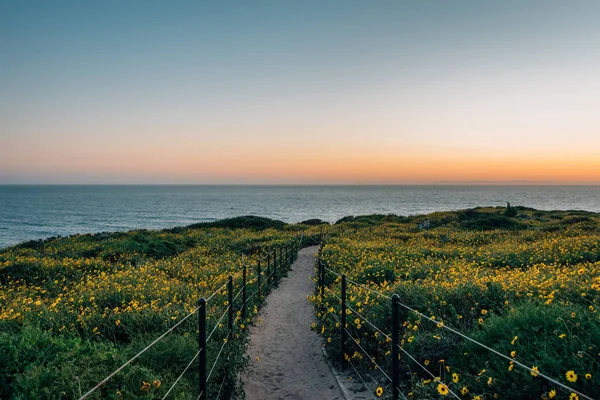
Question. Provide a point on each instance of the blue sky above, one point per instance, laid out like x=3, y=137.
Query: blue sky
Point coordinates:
x=251, y=92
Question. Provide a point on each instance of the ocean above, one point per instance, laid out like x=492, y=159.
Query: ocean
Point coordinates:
x=29, y=212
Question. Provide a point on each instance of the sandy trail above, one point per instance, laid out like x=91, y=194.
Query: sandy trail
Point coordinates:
x=286, y=361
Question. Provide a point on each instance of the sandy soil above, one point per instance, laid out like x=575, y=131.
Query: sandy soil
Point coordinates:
x=286, y=361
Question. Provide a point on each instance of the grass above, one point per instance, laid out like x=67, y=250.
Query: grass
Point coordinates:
x=534, y=275
x=74, y=309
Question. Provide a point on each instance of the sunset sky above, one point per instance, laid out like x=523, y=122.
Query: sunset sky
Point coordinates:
x=287, y=92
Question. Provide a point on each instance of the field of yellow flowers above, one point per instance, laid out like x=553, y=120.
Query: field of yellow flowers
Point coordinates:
x=72, y=310
x=526, y=285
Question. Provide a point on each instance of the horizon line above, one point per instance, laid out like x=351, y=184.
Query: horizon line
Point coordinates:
x=434, y=183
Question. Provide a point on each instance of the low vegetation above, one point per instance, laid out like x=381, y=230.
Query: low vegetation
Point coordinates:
x=522, y=281
x=72, y=310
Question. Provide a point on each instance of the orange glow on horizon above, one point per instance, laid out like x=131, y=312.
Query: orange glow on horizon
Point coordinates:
x=319, y=166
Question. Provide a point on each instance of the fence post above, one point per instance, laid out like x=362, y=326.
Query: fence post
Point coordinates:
x=279, y=259
x=268, y=264
x=322, y=281
x=343, y=327
x=230, y=302
x=395, y=361
x=274, y=263
x=202, y=344
x=258, y=273
x=244, y=291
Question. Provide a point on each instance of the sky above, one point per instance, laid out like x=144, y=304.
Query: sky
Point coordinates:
x=299, y=92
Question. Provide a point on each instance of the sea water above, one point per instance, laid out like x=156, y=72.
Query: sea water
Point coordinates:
x=29, y=212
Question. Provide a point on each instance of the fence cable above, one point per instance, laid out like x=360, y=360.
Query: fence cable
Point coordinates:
x=137, y=355
x=404, y=351
x=218, y=356
x=363, y=350
x=102, y=382
x=217, y=323
x=367, y=354
x=238, y=293
x=357, y=313
x=435, y=379
x=221, y=387
x=520, y=364
x=216, y=292
x=358, y=284
x=444, y=326
x=363, y=381
x=181, y=376
x=250, y=297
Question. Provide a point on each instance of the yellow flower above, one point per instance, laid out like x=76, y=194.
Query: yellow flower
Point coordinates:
x=513, y=354
x=145, y=386
x=426, y=362
x=552, y=394
x=490, y=381
x=511, y=366
x=571, y=376
x=573, y=396
x=483, y=312
x=514, y=340
x=588, y=376
x=442, y=389
x=156, y=384
x=455, y=377
x=379, y=391
x=535, y=369
x=464, y=390
x=562, y=335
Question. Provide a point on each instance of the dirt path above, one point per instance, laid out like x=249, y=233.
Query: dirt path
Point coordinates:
x=286, y=361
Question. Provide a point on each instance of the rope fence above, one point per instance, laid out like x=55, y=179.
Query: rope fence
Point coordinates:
x=392, y=375
x=278, y=261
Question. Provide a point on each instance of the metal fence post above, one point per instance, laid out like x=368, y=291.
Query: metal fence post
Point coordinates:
x=322, y=282
x=274, y=264
x=244, y=291
x=343, y=327
x=202, y=344
x=258, y=273
x=230, y=302
x=268, y=264
x=395, y=362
